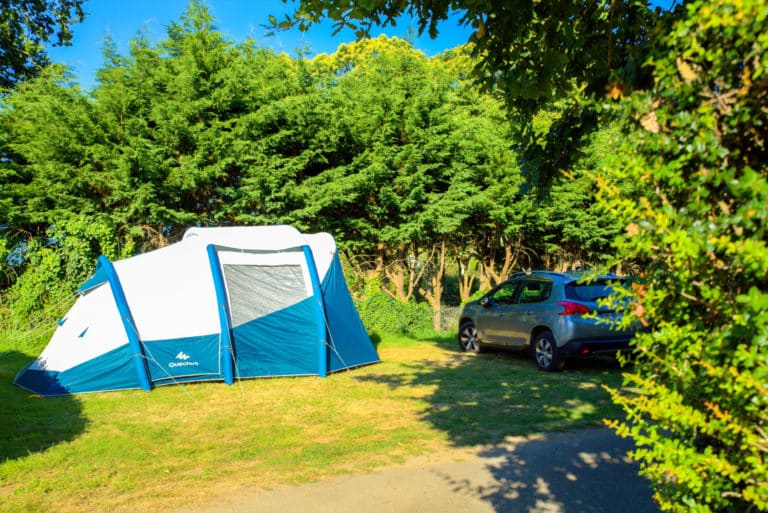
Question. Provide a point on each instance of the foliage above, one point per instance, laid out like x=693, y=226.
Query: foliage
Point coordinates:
x=535, y=54
x=380, y=312
x=572, y=228
x=697, y=401
x=25, y=29
x=399, y=156
x=525, y=49
x=56, y=266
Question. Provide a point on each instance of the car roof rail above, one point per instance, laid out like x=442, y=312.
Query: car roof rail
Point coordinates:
x=537, y=271
x=581, y=273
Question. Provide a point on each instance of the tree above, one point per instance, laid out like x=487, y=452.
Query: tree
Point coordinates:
x=423, y=142
x=26, y=27
x=532, y=53
x=389, y=99
x=49, y=167
x=571, y=228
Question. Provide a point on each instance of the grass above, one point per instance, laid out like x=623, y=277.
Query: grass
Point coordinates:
x=135, y=451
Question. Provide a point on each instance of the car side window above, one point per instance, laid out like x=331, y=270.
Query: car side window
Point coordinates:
x=505, y=294
x=535, y=291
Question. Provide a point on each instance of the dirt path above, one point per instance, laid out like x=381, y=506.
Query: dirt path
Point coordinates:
x=583, y=471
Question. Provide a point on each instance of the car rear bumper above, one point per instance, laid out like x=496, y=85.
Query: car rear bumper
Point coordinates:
x=587, y=347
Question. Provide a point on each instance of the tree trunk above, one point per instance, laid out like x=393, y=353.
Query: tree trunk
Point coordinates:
x=434, y=295
x=490, y=277
x=491, y=273
x=467, y=277
x=395, y=274
x=404, y=274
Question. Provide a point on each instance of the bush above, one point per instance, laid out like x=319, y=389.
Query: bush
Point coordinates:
x=697, y=398
x=52, y=267
x=381, y=312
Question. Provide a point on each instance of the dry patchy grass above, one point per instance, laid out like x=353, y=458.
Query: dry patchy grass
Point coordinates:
x=178, y=445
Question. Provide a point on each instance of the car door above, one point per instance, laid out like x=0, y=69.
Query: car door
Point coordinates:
x=527, y=311
x=493, y=319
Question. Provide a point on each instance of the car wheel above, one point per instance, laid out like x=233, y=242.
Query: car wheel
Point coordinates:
x=468, y=338
x=545, y=352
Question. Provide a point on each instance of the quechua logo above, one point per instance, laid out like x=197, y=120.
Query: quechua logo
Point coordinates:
x=182, y=360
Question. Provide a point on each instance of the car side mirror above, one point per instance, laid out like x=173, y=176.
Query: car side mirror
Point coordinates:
x=486, y=301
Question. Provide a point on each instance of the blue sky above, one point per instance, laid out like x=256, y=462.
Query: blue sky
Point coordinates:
x=236, y=19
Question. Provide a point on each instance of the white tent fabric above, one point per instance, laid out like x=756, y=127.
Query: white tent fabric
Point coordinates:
x=222, y=303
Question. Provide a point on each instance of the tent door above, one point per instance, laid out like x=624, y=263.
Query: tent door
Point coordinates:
x=274, y=324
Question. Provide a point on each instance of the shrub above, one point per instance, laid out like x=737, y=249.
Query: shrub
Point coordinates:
x=53, y=266
x=697, y=398
x=381, y=312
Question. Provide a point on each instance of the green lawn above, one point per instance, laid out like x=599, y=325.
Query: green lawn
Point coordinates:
x=178, y=445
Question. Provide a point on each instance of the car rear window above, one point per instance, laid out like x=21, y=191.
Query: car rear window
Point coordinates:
x=589, y=291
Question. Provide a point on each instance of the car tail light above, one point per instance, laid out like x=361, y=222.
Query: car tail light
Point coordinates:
x=571, y=308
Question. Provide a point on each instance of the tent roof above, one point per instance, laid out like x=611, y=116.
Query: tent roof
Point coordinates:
x=274, y=237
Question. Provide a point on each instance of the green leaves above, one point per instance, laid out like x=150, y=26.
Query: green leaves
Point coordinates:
x=695, y=146
x=25, y=29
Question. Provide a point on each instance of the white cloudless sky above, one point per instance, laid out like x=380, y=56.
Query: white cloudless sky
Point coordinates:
x=123, y=20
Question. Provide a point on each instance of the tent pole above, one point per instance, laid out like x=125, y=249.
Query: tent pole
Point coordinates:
x=318, y=294
x=226, y=356
x=128, y=323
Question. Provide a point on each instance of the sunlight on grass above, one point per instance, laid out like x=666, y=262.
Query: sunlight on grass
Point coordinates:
x=135, y=451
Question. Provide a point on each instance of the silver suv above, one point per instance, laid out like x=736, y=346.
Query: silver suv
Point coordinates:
x=555, y=315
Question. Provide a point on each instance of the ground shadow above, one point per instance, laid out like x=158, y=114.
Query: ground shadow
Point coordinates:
x=588, y=473
x=28, y=422
x=479, y=399
x=489, y=399
x=375, y=339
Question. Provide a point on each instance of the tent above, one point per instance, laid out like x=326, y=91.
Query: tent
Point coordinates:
x=221, y=304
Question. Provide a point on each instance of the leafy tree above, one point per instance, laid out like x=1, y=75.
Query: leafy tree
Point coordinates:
x=534, y=53
x=26, y=27
x=48, y=165
x=572, y=229
x=388, y=99
x=297, y=136
x=426, y=141
x=193, y=124
x=525, y=47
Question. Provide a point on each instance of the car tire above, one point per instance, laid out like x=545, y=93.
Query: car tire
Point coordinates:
x=545, y=352
x=468, y=338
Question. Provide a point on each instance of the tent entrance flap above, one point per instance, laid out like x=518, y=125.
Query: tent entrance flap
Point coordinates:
x=273, y=322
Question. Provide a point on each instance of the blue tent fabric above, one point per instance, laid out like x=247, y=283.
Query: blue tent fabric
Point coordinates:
x=344, y=324
x=279, y=344
x=187, y=358
x=114, y=370
x=222, y=304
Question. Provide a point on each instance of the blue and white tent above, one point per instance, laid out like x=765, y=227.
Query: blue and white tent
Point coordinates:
x=221, y=304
